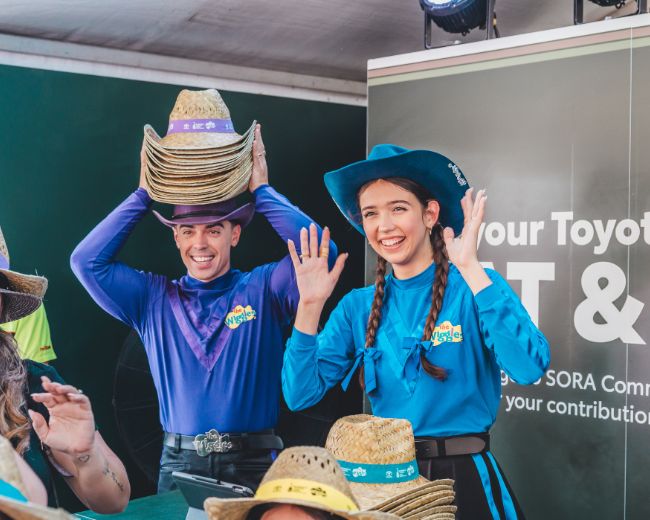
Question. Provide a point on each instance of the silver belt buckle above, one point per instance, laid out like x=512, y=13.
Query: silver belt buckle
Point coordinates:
x=212, y=442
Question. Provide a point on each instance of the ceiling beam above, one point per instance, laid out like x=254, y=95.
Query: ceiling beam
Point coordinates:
x=37, y=53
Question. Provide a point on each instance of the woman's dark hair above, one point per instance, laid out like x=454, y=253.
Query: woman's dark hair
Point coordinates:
x=439, y=283
x=14, y=425
x=316, y=514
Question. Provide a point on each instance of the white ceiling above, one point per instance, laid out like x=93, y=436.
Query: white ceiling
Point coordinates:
x=332, y=39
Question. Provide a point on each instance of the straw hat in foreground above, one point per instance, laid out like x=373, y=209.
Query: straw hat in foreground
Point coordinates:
x=304, y=476
x=378, y=458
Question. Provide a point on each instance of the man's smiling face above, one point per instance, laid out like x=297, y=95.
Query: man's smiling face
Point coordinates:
x=205, y=248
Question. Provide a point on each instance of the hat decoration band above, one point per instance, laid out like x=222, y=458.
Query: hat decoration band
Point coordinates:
x=308, y=490
x=221, y=126
x=208, y=213
x=380, y=473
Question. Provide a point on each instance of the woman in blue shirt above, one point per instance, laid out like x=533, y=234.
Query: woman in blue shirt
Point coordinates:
x=430, y=338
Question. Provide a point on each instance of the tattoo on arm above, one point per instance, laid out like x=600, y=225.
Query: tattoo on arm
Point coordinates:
x=109, y=472
x=83, y=458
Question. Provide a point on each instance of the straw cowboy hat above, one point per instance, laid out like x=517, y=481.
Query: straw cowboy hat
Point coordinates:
x=304, y=476
x=378, y=458
x=439, y=175
x=12, y=491
x=21, y=294
x=200, y=119
x=201, y=159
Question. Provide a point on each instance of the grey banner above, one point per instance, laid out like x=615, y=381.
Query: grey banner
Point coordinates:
x=563, y=148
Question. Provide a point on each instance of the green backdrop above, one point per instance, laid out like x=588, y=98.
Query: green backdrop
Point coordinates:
x=69, y=153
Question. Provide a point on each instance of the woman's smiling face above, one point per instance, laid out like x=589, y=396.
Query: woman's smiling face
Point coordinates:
x=397, y=226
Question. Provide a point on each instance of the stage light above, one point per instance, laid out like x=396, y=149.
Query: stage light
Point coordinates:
x=578, y=7
x=456, y=16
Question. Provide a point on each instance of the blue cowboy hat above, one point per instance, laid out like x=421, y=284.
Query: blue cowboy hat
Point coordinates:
x=439, y=175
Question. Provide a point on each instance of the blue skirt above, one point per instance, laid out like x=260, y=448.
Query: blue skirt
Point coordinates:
x=482, y=491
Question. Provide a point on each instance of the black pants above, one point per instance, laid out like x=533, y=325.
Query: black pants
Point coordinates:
x=245, y=468
x=471, y=494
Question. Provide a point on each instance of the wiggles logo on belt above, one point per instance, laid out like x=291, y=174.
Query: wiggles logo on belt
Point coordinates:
x=239, y=315
x=446, y=332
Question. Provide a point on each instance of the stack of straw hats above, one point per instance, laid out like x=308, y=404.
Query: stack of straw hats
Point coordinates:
x=201, y=159
x=305, y=476
x=378, y=458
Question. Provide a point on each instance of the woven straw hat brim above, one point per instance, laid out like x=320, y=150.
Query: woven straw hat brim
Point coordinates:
x=423, y=499
x=429, y=503
x=153, y=143
x=197, y=160
x=395, y=502
x=227, y=177
x=27, y=511
x=199, y=141
x=24, y=295
x=178, y=183
x=429, y=512
x=238, y=508
x=185, y=178
x=234, y=184
x=215, y=168
x=435, y=516
x=227, y=181
x=172, y=181
x=203, y=168
x=369, y=495
x=200, y=192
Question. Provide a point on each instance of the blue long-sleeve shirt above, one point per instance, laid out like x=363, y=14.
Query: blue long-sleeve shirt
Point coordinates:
x=475, y=336
x=214, y=348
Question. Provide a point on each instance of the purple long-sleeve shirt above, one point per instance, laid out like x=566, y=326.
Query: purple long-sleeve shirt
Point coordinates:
x=214, y=348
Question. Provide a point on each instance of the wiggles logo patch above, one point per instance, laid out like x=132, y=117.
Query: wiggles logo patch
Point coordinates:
x=239, y=315
x=446, y=332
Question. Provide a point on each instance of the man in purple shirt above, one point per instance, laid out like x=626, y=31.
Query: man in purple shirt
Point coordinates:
x=214, y=338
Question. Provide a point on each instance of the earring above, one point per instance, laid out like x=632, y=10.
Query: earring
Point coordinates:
x=430, y=230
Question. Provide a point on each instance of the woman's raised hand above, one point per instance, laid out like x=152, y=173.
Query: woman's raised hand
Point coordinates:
x=71, y=428
x=315, y=280
x=463, y=249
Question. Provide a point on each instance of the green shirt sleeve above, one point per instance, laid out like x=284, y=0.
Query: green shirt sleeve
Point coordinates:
x=32, y=334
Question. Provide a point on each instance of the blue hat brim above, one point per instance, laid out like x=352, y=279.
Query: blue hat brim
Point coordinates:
x=435, y=172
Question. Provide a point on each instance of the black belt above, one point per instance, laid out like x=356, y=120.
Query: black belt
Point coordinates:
x=431, y=447
x=214, y=442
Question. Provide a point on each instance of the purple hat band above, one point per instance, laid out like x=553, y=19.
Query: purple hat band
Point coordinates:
x=209, y=214
x=4, y=262
x=219, y=209
x=220, y=126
